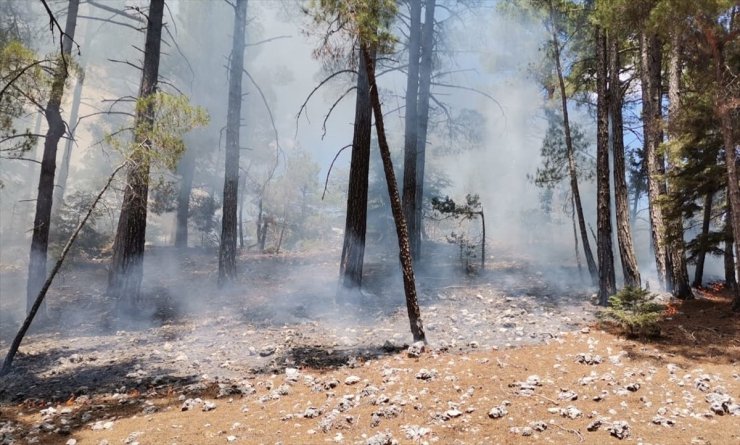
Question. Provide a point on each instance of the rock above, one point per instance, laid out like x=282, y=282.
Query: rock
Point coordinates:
x=230, y=439
x=415, y=349
x=415, y=432
x=385, y=438
x=571, y=412
x=453, y=413
x=619, y=429
x=71, y=442
x=292, y=374
x=311, y=412
x=527, y=431
x=566, y=394
x=538, y=425
x=588, y=359
x=209, y=406
x=632, y=387
x=664, y=421
x=593, y=426
x=534, y=380
x=425, y=374
x=700, y=441
x=497, y=412
x=189, y=404
x=267, y=351
x=351, y=380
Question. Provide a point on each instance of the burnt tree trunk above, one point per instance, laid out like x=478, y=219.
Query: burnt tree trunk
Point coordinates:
x=55, y=131
x=355, y=228
x=425, y=86
x=607, y=281
x=681, y=287
x=227, y=249
x=572, y=167
x=407, y=264
x=411, y=137
x=187, y=171
x=69, y=145
x=650, y=57
x=702, y=254
x=621, y=201
x=242, y=195
x=127, y=266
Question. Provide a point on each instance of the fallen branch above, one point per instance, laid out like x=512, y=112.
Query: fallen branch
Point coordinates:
x=568, y=430
x=8, y=362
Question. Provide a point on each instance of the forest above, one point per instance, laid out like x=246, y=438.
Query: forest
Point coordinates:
x=369, y=221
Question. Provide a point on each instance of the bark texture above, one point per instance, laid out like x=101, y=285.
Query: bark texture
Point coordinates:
x=701, y=256
x=650, y=60
x=227, y=249
x=127, y=267
x=607, y=281
x=572, y=167
x=621, y=201
x=355, y=228
x=44, y=197
x=680, y=285
x=411, y=135
x=729, y=256
x=407, y=265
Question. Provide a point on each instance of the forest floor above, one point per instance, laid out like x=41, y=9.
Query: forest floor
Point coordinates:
x=515, y=356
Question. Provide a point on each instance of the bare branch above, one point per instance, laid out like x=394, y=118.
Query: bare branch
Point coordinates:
x=336, y=102
x=322, y=83
x=328, y=173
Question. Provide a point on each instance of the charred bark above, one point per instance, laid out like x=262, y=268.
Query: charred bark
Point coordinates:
x=411, y=135
x=680, y=285
x=729, y=256
x=227, y=249
x=355, y=228
x=67, y=156
x=44, y=199
x=126, y=271
x=572, y=167
x=407, y=265
x=607, y=281
x=624, y=229
x=702, y=254
x=650, y=57
x=187, y=171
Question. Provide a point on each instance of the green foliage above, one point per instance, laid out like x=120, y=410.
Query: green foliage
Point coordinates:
x=202, y=215
x=449, y=208
x=160, y=143
x=635, y=312
x=163, y=196
x=469, y=248
x=368, y=21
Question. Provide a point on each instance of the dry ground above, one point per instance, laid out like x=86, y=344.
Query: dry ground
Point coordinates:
x=667, y=381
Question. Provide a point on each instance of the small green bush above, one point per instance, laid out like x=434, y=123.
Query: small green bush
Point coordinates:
x=635, y=312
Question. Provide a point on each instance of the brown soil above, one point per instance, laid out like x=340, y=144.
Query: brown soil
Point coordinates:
x=699, y=354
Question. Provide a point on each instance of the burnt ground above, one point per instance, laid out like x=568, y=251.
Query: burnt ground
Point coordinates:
x=93, y=368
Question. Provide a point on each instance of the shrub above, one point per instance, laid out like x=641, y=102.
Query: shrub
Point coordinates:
x=635, y=312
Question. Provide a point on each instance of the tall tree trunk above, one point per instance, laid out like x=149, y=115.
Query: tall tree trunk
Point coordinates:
x=729, y=256
x=412, y=125
x=681, y=287
x=425, y=86
x=187, y=171
x=127, y=268
x=607, y=281
x=650, y=56
x=355, y=228
x=61, y=187
x=56, y=129
x=242, y=195
x=407, y=264
x=572, y=168
x=575, y=236
x=227, y=250
x=624, y=229
x=701, y=255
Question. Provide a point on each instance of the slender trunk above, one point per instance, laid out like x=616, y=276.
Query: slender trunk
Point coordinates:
x=355, y=228
x=242, y=194
x=483, y=242
x=407, y=265
x=412, y=125
x=681, y=286
x=650, y=79
x=607, y=281
x=425, y=85
x=39, y=298
x=55, y=131
x=259, y=223
x=572, y=168
x=227, y=249
x=624, y=229
x=729, y=256
x=127, y=266
x=187, y=171
x=575, y=236
x=61, y=187
x=701, y=255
